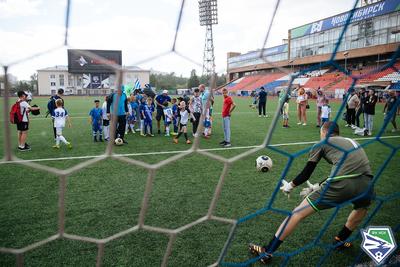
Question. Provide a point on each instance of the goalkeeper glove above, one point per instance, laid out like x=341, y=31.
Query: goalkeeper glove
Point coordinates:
x=309, y=189
x=286, y=187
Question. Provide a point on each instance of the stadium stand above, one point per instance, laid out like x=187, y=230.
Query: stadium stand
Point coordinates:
x=245, y=82
x=327, y=80
x=395, y=86
x=267, y=79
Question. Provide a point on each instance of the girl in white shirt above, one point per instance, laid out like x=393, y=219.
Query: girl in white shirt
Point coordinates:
x=302, y=101
x=184, y=114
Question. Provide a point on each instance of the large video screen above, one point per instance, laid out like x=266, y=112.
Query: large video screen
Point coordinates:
x=80, y=62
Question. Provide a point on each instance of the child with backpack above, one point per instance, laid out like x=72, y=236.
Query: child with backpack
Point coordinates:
x=19, y=116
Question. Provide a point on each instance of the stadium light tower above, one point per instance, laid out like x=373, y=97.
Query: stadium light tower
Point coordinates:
x=208, y=17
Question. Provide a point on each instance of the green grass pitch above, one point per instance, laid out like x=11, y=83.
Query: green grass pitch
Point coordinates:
x=105, y=198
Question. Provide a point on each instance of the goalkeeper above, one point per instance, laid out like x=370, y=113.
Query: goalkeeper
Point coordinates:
x=352, y=180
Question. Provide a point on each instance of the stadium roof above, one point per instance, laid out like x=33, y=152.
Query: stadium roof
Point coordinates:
x=55, y=68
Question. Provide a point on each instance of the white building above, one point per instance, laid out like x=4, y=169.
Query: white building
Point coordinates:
x=52, y=78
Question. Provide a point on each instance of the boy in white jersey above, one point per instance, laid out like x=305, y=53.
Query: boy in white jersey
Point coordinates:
x=184, y=114
x=325, y=111
x=59, y=116
x=285, y=114
x=106, y=120
x=168, y=117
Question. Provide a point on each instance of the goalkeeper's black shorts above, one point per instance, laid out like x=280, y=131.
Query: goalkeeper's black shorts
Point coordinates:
x=354, y=189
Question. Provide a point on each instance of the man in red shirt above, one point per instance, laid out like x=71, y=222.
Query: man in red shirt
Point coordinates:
x=227, y=109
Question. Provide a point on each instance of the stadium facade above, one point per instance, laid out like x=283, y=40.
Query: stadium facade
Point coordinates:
x=371, y=38
x=52, y=78
x=90, y=72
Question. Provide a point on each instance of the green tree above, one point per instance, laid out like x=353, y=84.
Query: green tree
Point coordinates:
x=220, y=80
x=34, y=83
x=22, y=86
x=193, y=80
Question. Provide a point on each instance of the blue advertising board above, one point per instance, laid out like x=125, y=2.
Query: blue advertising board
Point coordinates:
x=370, y=11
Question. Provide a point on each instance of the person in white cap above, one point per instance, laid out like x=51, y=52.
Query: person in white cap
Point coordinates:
x=160, y=100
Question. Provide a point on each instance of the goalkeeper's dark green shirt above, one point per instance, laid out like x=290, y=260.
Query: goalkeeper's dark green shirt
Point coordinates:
x=354, y=163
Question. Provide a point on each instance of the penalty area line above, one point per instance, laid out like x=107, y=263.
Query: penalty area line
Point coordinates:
x=180, y=151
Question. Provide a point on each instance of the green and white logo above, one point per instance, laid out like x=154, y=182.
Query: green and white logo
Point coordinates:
x=378, y=242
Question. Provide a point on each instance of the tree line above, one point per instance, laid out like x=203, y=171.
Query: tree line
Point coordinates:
x=171, y=81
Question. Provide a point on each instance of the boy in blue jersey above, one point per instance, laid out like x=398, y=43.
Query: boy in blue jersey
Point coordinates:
x=147, y=113
x=175, y=116
x=168, y=117
x=141, y=115
x=96, y=119
x=135, y=117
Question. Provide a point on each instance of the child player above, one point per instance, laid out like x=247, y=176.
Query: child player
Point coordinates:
x=285, y=114
x=141, y=115
x=325, y=111
x=184, y=114
x=207, y=120
x=168, y=117
x=135, y=117
x=106, y=120
x=147, y=114
x=95, y=119
x=175, y=115
x=130, y=122
x=59, y=116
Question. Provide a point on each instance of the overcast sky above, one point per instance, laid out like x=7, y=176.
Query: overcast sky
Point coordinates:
x=142, y=29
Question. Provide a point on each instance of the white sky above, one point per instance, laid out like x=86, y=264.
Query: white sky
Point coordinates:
x=142, y=29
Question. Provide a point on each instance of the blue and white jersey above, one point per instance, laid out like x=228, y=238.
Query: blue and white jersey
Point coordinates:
x=104, y=110
x=59, y=115
x=148, y=112
x=96, y=114
x=168, y=114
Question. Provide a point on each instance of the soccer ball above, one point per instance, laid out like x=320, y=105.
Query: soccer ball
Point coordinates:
x=263, y=163
x=119, y=142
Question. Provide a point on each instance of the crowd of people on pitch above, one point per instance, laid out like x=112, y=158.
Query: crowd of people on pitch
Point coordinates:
x=358, y=102
x=134, y=113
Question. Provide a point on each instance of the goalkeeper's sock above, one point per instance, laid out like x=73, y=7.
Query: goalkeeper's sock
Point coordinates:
x=340, y=242
x=273, y=245
x=344, y=233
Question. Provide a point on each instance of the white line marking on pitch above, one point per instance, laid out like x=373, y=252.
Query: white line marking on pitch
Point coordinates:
x=179, y=151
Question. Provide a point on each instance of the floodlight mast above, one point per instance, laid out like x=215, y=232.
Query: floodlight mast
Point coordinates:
x=208, y=16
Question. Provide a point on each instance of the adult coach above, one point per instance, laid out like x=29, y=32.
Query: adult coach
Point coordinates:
x=351, y=180
x=160, y=99
x=262, y=102
x=121, y=111
x=227, y=108
x=51, y=106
